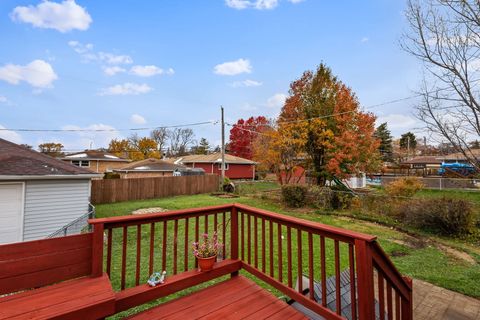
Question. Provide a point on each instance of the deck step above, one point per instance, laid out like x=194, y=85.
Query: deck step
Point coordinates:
x=345, y=296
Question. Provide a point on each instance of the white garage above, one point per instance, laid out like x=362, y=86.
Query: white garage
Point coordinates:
x=11, y=212
x=39, y=195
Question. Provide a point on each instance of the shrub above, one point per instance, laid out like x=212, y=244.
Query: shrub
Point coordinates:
x=321, y=197
x=294, y=195
x=447, y=216
x=341, y=199
x=228, y=185
x=111, y=175
x=377, y=204
x=404, y=187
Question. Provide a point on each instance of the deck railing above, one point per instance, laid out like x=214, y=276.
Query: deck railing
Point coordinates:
x=295, y=256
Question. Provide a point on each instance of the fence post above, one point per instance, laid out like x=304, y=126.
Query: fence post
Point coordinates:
x=234, y=236
x=407, y=305
x=97, y=250
x=366, y=295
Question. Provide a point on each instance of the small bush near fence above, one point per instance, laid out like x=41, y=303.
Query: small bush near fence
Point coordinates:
x=445, y=215
x=404, y=187
x=294, y=195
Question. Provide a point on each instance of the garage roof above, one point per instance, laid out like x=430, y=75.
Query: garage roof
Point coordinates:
x=17, y=160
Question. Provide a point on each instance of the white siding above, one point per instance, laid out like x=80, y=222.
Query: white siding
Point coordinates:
x=51, y=204
x=11, y=212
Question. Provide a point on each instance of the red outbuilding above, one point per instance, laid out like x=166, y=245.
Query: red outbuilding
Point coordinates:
x=235, y=167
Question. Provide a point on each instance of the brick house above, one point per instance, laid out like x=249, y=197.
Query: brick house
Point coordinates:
x=95, y=160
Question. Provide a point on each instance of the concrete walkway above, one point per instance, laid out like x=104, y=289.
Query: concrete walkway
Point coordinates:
x=432, y=302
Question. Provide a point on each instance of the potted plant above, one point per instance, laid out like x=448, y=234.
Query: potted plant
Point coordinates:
x=206, y=251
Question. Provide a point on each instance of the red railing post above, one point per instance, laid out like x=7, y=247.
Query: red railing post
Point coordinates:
x=366, y=294
x=234, y=236
x=407, y=305
x=97, y=250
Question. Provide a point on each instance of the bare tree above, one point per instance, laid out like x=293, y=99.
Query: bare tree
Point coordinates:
x=445, y=36
x=187, y=138
x=174, y=142
x=180, y=139
x=160, y=136
x=133, y=140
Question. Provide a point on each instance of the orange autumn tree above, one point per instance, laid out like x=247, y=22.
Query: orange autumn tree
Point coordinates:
x=279, y=150
x=339, y=136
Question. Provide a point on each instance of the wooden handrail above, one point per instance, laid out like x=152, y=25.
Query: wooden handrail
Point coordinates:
x=130, y=220
x=309, y=226
x=383, y=262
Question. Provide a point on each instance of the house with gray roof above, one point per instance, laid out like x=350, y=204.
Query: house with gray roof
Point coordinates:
x=39, y=194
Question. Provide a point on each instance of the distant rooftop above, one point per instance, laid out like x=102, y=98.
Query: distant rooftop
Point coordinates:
x=94, y=155
x=151, y=165
x=212, y=158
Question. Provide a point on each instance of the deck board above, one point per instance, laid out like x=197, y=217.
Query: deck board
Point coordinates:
x=88, y=297
x=236, y=298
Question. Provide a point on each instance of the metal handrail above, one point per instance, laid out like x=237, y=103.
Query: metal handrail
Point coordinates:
x=79, y=224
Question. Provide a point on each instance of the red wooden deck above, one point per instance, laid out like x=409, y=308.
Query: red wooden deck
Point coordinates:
x=65, y=276
x=236, y=298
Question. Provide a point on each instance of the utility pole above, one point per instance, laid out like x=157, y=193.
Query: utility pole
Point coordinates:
x=223, y=148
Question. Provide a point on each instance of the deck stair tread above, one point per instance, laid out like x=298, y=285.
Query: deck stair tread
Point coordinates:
x=345, y=295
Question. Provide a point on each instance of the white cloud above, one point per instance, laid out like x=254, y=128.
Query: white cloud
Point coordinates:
x=95, y=139
x=137, y=119
x=149, y=71
x=295, y=1
x=277, y=100
x=246, y=83
x=364, y=39
x=397, y=121
x=10, y=135
x=79, y=47
x=127, y=88
x=232, y=68
x=253, y=4
x=87, y=54
x=111, y=71
x=64, y=16
x=37, y=73
x=111, y=58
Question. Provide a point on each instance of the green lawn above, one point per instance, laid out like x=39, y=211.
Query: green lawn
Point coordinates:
x=424, y=261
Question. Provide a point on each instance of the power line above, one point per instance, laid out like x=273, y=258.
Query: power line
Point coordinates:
x=333, y=114
x=111, y=130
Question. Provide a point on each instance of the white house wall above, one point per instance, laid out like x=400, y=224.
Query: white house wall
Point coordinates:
x=51, y=204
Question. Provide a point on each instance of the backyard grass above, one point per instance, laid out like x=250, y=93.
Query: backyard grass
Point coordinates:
x=418, y=258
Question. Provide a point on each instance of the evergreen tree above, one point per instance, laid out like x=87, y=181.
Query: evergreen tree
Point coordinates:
x=203, y=147
x=408, y=141
x=386, y=147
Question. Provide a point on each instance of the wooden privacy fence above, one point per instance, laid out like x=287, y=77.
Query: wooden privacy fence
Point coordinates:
x=116, y=190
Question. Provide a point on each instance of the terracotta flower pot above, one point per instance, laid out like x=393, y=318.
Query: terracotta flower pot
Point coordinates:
x=206, y=264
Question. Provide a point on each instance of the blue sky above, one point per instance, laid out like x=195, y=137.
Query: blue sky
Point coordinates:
x=129, y=64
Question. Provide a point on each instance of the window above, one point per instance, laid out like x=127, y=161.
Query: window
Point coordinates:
x=220, y=166
x=81, y=163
